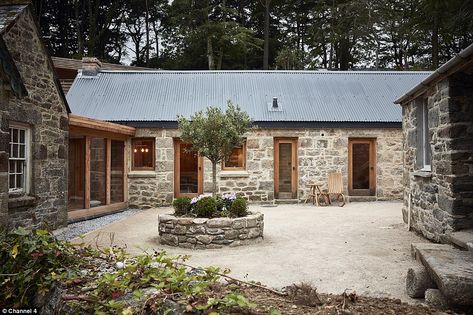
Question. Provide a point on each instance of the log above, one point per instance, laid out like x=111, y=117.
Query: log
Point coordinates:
x=435, y=298
x=418, y=281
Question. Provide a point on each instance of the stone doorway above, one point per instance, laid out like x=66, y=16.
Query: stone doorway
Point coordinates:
x=285, y=168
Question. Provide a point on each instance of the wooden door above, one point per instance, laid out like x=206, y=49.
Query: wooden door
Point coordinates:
x=188, y=171
x=285, y=168
x=362, y=167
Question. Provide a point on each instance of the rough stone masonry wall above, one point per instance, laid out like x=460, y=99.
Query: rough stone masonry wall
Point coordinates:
x=320, y=151
x=202, y=233
x=442, y=201
x=45, y=112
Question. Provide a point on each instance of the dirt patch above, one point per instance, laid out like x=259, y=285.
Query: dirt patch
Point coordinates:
x=331, y=304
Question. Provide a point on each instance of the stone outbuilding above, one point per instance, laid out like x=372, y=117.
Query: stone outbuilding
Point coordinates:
x=438, y=150
x=33, y=126
x=308, y=124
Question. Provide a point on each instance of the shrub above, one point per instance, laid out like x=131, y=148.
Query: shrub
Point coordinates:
x=206, y=207
x=182, y=205
x=239, y=207
x=32, y=261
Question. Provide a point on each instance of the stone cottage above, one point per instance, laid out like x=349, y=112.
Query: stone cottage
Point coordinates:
x=308, y=123
x=438, y=146
x=33, y=126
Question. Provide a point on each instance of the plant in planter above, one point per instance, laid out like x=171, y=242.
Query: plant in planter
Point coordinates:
x=182, y=206
x=206, y=207
x=239, y=208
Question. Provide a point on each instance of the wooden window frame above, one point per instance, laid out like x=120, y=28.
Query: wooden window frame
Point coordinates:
x=27, y=171
x=424, y=154
x=153, y=150
x=238, y=168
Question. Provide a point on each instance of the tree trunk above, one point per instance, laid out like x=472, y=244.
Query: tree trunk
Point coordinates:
x=210, y=53
x=435, y=42
x=266, y=36
x=80, y=39
x=214, y=179
x=147, y=33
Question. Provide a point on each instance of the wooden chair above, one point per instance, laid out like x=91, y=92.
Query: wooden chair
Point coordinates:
x=335, y=187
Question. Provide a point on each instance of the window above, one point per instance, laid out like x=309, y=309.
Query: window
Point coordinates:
x=423, y=137
x=237, y=159
x=143, y=154
x=18, y=166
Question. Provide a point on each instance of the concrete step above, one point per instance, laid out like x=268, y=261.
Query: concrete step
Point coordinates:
x=285, y=201
x=361, y=198
x=462, y=239
x=450, y=268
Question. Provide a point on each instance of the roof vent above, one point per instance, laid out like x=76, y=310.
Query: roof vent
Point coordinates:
x=91, y=66
x=275, y=103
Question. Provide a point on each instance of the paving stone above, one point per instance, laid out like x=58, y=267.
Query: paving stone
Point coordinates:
x=452, y=271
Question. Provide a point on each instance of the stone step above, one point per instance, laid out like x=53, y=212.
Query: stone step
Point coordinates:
x=286, y=201
x=450, y=268
x=361, y=198
x=462, y=239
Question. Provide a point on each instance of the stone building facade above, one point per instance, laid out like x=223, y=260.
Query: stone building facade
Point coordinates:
x=319, y=152
x=440, y=196
x=35, y=191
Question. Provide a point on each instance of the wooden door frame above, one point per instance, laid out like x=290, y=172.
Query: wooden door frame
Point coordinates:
x=294, y=160
x=177, y=172
x=372, y=170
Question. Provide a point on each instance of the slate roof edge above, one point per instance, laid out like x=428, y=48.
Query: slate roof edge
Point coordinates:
x=442, y=72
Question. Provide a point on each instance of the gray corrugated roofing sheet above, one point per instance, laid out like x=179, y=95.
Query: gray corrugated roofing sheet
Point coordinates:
x=305, y=96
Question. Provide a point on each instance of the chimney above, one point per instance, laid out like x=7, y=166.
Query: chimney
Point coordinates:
x=90, y=66
x=275, y=102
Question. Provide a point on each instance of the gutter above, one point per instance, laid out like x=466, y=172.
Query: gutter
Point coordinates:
x=437, y=75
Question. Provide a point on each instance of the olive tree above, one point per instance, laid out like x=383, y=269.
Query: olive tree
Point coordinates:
x=214, y=133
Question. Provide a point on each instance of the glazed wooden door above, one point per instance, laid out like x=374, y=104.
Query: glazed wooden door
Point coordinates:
x=285, y=168
x=362, y=167
x=188, y=171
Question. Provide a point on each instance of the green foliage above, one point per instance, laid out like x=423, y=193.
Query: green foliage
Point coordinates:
x=182, y=205
x=32, y=261
x=206, y=207
x=291, y=59
x=239, y=207
x=215, y=133
x=108, y=281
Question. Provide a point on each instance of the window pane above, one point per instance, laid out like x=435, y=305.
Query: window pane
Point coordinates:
x=117, y=167
x=98, y=148
x=19, y=181
x=236, y=158
x=14, y=152
x=76, y=182
x=19, y=167
x=12, y=181
x=12, y=167
x=15, y=135
x=22, y=151
x=22, y=136
x=143, y=153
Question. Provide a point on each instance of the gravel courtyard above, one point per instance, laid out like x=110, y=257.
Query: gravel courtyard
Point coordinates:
x=363, y=247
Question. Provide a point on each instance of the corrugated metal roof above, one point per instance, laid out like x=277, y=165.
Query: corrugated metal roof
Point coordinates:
x=315, y=96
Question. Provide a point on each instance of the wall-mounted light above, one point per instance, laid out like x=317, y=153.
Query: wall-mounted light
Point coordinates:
x=146, y=150
x=135, y=150
x=142, y=150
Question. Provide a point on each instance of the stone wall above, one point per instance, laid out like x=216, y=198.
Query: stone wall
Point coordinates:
x=45, y=112
x=441, y=200
x=320, y=151
x=202, y=233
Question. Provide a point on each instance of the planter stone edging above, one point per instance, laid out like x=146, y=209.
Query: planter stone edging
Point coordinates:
x=202, y=233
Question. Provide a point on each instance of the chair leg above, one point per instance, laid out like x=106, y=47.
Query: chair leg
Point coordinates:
x=341, y=200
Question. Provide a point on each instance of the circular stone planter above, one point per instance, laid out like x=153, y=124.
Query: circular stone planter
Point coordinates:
x=202, y=233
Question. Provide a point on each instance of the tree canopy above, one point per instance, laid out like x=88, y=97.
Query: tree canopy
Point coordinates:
x=257, y=34
x=215, y=133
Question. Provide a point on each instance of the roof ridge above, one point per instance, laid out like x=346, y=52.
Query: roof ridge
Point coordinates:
x=348, y=72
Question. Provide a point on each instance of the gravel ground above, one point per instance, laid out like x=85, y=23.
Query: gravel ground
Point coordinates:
x=79, y=228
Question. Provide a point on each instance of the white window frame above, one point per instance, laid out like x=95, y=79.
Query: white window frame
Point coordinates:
x=425, y=143
x=28, y=169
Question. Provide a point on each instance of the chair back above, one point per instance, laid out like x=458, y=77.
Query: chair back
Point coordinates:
x=335, y=183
